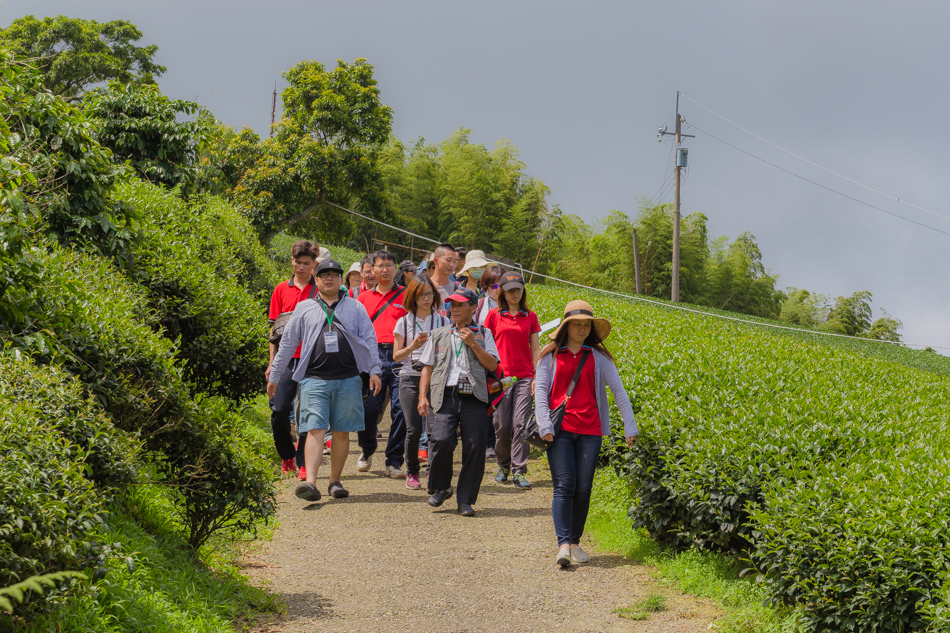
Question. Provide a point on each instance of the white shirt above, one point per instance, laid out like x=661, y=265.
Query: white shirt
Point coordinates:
x=409, y=327
x=458, y=359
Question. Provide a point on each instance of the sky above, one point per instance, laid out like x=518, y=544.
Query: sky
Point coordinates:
x=854, y=88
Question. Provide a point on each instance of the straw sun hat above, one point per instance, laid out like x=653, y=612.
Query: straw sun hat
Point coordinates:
x=581, y=311
x=475, y=259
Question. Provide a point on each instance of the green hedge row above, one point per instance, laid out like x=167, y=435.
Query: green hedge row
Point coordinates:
x=823, y=469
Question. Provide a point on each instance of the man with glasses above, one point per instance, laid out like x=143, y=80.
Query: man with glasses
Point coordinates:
x=442, y=271
x=383, y=303
x=337, y=343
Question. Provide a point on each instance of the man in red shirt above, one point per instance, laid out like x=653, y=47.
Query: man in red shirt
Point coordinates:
x=369, y=280
x=383, y=303
x=285, y=298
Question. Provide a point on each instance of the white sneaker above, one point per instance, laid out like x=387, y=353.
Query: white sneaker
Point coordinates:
x=563, y=558
x=395, y=472
x=578, y=555
x=364, y=463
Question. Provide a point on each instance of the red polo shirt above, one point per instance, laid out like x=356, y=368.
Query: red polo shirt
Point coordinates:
x=385, y=323
x=512, y=333
x=285, y=298
x=581, y=415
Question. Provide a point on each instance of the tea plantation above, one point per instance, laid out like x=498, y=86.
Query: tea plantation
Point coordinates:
x=823, y=466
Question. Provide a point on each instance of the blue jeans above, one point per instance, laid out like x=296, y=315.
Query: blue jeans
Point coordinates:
x=373, y=408
x=573, y=460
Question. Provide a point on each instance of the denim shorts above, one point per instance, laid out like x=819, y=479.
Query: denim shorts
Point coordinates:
x=331, y=405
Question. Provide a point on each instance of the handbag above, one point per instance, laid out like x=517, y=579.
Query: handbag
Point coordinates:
x=532, y=433
x=277, y=328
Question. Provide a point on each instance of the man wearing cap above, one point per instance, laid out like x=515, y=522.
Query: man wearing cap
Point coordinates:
x=453, y=384
x=337, y=343
x=383, y=303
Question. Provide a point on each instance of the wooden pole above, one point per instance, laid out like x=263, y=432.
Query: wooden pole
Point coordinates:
x=273, y=110
x=675, y=294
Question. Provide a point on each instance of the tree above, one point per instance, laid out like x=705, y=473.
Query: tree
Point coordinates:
x=737, y=279
x=802, y=307
x=655, y=240
x=324, y=149
x=144, y=127
x=852, y=314
x=73, y=54
x=886, y=328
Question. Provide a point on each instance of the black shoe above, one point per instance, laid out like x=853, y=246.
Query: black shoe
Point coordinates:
x=466, y=510
x=337, y=491
x=439, y=496
x=307, y=491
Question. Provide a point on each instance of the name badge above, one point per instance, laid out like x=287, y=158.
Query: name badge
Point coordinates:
x=331, y=342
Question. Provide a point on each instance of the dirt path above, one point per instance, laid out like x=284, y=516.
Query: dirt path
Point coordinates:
x=384, y=561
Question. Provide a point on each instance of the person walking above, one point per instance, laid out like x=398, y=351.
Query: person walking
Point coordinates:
x=337, y=341
x=407, y=272
x=283, y=301
x=575, y=370
x=411, y=334
x=384, y=304
x=490, y=287
x=353, y=277
x=475, y=265
x=455, y=363
x=368, y=279
x=441, y=271
x=516, y=331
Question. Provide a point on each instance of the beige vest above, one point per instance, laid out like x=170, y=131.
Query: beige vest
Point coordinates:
x=442, y=339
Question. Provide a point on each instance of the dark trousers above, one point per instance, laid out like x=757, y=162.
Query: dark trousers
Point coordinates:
x=415, y=423
x=470, y=415
x=373, y=408
x=281, y=407
x=513, y=413
x=573, y=460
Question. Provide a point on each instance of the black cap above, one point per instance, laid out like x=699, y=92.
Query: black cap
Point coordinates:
x=329, y=265
x=511, y=280
x=463, y=294
x=408, y=265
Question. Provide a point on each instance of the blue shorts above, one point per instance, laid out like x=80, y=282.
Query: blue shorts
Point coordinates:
x=331, y=405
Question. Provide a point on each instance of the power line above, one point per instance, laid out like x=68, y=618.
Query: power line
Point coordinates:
x=671, y=306
x=818, y=184
x=831, y=237
x=814, y=164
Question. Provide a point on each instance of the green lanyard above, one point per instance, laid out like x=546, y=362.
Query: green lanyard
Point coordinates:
x=330, y=315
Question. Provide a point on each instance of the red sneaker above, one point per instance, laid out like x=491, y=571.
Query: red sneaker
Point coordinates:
x=288, y=466
x=326, y=447
x=423, y=456
x=302, y=473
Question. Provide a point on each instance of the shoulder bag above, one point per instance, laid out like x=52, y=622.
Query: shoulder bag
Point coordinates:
x=277, y=328
x=531, y=433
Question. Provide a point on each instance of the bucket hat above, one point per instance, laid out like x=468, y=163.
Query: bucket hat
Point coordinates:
x=581, y=311
x=474, y=259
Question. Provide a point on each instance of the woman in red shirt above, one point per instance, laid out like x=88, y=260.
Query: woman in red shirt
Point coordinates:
x=577, y=353
x=516, y=331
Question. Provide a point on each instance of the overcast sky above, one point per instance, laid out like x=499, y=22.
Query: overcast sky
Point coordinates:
x=580, y=89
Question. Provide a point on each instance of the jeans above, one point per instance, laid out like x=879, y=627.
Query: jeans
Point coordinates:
x=282, y=405
x=416, y=425
x=373, y=408
x=573, y=460
x=469, y=415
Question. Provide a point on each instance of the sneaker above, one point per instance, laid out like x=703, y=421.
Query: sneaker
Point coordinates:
x=439, y=496
x=490, y=453
x=578, y=555
x=288, y=466
x=307, y=491
x=413, y=483
x=364, y=463
x=326, y=447
x=395, y=472
x=563, y=558
x=423, y=456
x=502, y=475
x=337, y=491
x=521, y=482
x=379, y=435
x=302, y=473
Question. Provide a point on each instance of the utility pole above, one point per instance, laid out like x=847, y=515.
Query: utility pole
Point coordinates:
x=681, y=153
x=273, y=110
x=636, y=260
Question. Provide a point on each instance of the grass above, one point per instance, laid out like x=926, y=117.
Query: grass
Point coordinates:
x=153, y=582
x=641, y=610
x=704, y=574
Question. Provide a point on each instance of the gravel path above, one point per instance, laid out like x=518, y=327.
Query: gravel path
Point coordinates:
x=383, y=560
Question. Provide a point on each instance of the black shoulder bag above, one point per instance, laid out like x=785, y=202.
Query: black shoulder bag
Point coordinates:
x=387, y=304
x=531, y=433
x=277, y=328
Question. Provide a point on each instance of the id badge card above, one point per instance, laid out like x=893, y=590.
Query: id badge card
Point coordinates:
x=331, y=342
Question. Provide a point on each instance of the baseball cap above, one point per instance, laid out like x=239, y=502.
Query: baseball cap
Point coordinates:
x=408, y=266
x=511, y=280
x=329, y=265
x=462, y=295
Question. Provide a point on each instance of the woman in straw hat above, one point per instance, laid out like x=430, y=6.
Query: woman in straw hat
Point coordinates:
x=577, y=355
x=475, y=265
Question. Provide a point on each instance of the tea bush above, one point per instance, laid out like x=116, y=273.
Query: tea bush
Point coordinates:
x=823, y=468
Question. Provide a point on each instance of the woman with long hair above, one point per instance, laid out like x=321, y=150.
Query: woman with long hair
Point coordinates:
x=490, y=288
x=575, y=369
x=410, y=335
x=516, y=330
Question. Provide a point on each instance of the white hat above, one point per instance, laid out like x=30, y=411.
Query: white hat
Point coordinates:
x=475, y=259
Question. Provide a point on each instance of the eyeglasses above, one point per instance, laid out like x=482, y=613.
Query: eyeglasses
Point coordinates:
x=389, y=265
x=328, y=275
x=426, y=295
x=495, y=286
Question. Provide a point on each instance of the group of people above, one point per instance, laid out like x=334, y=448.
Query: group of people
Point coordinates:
x=457, y=349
